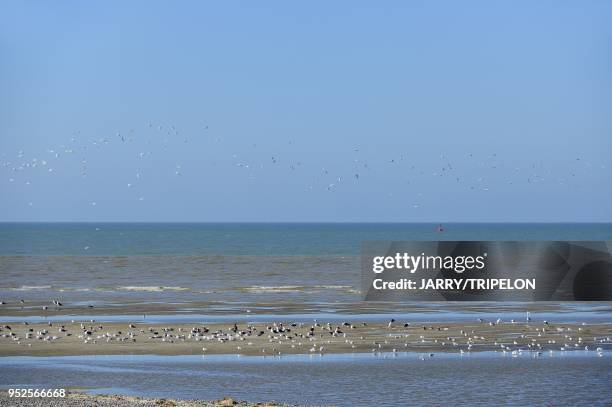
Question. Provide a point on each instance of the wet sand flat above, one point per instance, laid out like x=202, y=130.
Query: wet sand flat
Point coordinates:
x=129, y=306
x=93, y=338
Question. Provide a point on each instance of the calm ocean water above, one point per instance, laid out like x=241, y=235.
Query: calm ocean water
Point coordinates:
x=271, y=239
x=571, y=379
x=224, y=264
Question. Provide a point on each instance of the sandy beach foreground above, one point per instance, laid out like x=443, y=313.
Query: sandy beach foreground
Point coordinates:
x=96, y=338
x=74, y=399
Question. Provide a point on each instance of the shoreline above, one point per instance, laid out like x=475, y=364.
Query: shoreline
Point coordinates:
x=12, y=307
x=81, y=399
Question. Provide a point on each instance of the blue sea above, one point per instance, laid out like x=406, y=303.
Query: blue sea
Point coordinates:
x=260, y=239
x=221, y=268
x=382, y=379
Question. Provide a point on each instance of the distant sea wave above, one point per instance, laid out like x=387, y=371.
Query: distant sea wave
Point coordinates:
x=295, y=288
x=30, y=288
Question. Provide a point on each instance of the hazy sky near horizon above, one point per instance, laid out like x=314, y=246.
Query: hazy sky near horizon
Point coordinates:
x=323, y=111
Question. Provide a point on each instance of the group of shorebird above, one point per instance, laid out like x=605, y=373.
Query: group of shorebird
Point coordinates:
x=318, y=337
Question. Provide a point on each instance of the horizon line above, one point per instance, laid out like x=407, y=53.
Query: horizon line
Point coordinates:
x=300, y=222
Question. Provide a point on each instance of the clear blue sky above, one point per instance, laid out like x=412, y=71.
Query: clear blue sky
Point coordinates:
x=446, y=111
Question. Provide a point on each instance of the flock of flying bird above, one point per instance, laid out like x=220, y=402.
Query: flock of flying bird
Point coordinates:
x=141, y=146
